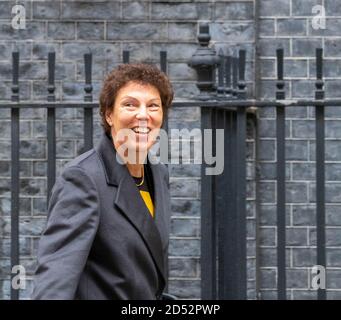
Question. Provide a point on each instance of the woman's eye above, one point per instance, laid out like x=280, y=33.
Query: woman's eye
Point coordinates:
x=154, y=106
x=129, y=105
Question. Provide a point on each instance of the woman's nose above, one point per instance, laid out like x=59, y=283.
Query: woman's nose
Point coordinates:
x=142, y=113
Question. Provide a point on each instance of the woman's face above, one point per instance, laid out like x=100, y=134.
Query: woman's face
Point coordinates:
x=136, y=117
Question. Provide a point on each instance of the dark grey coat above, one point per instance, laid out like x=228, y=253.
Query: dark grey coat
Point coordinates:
x=100, y=241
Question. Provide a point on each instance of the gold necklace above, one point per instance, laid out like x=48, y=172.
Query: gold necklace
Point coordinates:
x=141, y=183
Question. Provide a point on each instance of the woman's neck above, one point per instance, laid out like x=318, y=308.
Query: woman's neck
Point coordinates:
x=136, y=170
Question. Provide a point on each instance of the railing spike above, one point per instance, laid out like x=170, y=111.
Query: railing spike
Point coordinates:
x=319, y=84
x=15, y=76
x=88, y=71
x=51, y=76
x=280, y=93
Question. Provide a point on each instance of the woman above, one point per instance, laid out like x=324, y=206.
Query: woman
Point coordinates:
x=108, y=225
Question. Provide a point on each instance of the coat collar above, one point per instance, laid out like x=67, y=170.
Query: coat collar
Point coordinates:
x=153, y=232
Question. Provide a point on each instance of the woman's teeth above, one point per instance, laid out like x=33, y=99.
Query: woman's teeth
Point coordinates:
x=141, y=130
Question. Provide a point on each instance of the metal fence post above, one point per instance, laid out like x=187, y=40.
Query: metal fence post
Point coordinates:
x=320, y=170
x=281, y=212
x=204, y=61
x=241, y=272
x=15, y=183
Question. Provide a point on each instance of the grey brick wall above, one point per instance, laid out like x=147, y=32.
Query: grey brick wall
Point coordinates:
x=288, y=23
x=70, y=28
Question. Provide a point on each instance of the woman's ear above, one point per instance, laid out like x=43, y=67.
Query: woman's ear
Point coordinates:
x=108, y=119
x=164, y=119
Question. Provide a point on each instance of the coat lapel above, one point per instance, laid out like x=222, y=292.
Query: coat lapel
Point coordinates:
x=161, y=214
x=131, y=203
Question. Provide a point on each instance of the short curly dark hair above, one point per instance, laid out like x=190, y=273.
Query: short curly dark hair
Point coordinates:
x=137, y=72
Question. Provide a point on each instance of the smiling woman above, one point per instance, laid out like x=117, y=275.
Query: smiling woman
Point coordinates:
x=108, y=226
x=136, y=115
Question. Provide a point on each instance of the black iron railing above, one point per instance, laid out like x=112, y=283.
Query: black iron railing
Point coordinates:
x=224, y=197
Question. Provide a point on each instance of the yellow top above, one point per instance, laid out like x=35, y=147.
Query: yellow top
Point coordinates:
x=148, y=201
x=144, y=187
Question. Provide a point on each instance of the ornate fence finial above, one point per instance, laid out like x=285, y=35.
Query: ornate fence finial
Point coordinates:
x=204, y=61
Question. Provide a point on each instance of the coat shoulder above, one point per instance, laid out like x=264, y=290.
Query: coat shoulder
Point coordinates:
x=83, y=160
x=87, y=161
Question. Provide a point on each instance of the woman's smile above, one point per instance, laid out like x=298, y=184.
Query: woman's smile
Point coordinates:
x=141, y=130
x=141, y=136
